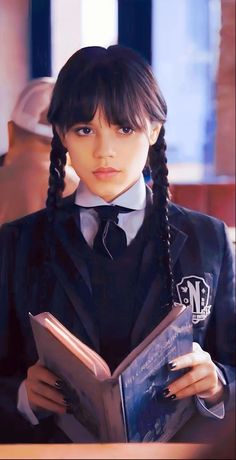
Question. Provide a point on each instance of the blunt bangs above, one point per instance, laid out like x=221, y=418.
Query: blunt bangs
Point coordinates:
x=121, y=86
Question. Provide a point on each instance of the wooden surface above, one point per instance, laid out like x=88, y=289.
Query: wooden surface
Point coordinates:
x=201, y=438
x=102, y=451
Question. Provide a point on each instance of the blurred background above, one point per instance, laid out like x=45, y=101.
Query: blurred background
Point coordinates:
x=191, y=46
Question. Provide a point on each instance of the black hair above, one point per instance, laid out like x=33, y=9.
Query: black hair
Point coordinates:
x=121, y=83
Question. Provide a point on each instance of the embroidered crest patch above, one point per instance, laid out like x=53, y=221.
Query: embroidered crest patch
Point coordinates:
x=195, y=292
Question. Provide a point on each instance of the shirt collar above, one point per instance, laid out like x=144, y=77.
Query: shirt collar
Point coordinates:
x=133, y=198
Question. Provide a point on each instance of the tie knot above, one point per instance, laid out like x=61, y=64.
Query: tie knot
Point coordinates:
x=110, y=212
x=110, y=240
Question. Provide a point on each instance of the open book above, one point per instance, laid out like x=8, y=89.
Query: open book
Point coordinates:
x=126, y=406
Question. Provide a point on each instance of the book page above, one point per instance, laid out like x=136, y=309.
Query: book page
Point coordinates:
x=176, y=310
x=89, y=357
x=87, y=421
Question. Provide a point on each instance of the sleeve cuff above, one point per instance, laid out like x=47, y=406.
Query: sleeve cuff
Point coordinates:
x=23, y=405
x=217, y=411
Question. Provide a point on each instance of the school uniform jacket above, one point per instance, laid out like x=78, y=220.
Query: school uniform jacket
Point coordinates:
x=202, y=265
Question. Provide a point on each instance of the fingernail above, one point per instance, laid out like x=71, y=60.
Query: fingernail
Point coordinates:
x=172, y=366
x=165, y=392
x=172, y=397
x=66, y=401
x=69, y=410
x=59, y=384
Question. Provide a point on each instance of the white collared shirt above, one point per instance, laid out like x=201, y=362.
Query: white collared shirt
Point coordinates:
x=134, y=198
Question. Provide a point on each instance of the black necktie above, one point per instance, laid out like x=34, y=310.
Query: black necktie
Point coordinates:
x=110, y=240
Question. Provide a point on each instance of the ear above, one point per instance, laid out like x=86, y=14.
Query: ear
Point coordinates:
x=62, y=137
x=155, y=130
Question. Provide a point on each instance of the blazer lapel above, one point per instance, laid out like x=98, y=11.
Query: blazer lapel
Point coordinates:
x=150, y=313
x=71, y=270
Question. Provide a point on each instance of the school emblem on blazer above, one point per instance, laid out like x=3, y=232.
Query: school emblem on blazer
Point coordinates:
x=195, y=292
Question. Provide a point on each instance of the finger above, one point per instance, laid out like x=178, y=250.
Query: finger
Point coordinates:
x=46, y=391
x=202, y=388
x=190, y=378
x=38, y=401
x=189, y=360
x=40, y=373
x=197, y=347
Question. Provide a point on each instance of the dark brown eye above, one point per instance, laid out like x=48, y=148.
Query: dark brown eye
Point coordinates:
x=126, y=130
x=83, y=131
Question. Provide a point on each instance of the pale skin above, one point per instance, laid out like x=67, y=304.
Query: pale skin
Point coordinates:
x=97, y=145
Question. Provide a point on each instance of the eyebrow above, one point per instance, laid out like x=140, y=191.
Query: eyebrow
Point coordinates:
x=82, y=123
x=91, y=123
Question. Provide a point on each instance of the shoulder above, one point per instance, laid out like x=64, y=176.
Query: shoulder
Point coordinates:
x=18, y=236
x=36, y=222
x=24, y=222
x=206, y=238
x=181, y=215
x=198, y=225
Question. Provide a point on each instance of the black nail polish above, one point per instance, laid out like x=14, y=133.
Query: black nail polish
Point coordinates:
x=66, y=401
x=165, y=392
x=59, y=384
x=69, y=410
x=172, y=366
x=172, y=397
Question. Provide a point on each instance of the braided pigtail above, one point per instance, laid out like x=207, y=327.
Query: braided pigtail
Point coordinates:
x=55, y=189
x=159, y=171
x=57, y=175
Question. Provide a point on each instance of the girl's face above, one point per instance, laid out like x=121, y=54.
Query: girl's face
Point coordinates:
x=109, y=159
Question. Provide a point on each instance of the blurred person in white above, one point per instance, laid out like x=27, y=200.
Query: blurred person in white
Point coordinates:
x=24, y=174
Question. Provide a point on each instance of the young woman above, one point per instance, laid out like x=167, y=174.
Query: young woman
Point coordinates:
x=108, y=112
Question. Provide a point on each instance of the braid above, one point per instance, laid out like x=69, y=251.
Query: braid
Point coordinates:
x=57, y=175
x=55, y=189
x=158, y=164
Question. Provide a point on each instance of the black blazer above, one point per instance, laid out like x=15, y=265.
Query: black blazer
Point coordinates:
x=203, y=271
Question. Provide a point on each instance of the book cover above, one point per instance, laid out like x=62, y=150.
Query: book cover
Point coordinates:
x=149, y=416
x=126, y=406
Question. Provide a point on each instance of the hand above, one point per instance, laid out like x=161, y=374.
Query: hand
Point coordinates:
x=201, y=380
x=43, y=390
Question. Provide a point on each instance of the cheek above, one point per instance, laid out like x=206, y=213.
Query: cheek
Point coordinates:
x=78, y=156
x=138, y=143
x=78, y=163
x=80, y=166
x=74, y=158
x=140, y=152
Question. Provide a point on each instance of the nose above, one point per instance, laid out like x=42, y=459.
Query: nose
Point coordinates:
x=104, y=147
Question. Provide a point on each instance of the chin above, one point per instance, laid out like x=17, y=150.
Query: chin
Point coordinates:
x=109, y=195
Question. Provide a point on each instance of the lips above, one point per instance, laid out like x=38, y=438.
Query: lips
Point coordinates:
x=105, y=173
x=105, y=170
